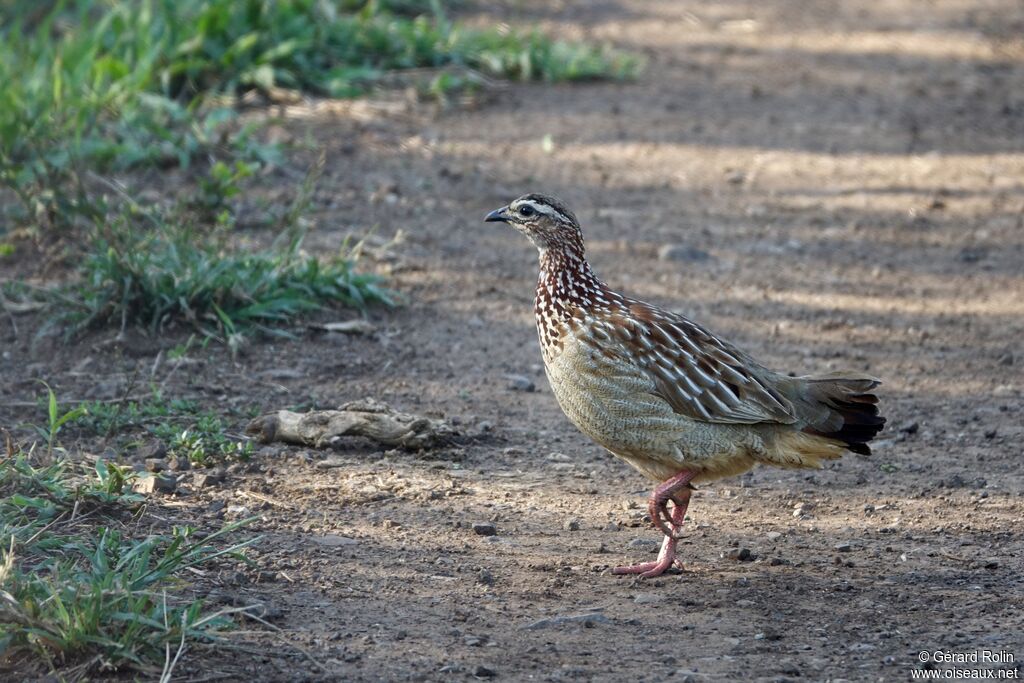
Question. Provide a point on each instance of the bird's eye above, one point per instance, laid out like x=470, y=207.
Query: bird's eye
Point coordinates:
x=526, y=211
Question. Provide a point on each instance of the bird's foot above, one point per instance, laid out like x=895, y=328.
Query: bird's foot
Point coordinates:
x=648, y=570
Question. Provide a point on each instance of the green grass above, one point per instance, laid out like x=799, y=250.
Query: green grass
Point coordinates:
x=79, y=587
x=201, y=436
x=112, y=84
x=161, y=268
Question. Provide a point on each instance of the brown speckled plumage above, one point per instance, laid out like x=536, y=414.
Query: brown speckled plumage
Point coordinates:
x=665, y=394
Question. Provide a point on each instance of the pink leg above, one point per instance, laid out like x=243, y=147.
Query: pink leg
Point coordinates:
x=669, y=490
x=667, y=556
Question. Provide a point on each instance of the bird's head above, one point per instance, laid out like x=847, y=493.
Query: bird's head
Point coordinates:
x=548, y=223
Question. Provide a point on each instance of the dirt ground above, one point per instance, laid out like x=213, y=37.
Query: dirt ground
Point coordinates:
x=846, y=182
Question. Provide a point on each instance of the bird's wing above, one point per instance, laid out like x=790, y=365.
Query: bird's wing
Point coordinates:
x=699, y=375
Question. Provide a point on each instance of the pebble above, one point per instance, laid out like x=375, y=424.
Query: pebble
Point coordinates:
x=589, y=620
x=153, y=449
x=484, y=672
x=485, y=529
x=647, y=598
x=842, y=547
x=682, y=252
x=571, y=525
x=156, y=484
x=910, y=427
x=332, y=540
x=179, y=463
x=774, y=535
x=202, y=480
x=520, y=383
x=739, y=555
x=156, y=464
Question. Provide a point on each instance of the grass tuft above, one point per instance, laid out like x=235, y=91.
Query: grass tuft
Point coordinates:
x=188, y=431
x=75, y=584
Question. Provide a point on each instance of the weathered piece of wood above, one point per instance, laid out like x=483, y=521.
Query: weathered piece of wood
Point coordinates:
x=367, y=418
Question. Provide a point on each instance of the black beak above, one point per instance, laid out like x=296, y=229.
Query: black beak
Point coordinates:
x=497, y=216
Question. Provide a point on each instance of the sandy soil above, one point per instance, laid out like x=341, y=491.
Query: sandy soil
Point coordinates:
x=849, y=178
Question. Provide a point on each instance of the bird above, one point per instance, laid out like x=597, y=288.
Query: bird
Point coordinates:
x=663, y=393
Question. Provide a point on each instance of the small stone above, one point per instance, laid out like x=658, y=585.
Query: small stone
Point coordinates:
x=774, y=535
x=842, y=547
x=484, y=672
x=954, y=482
x=647, y=598
x=588, y=620
x=739, y=555
x=571, y=525
x=682, y=252
x=202, y=480
x=513, y=451
x=215, y=506
x=179, y=463
x=777, y=561
x=909, y=427
x=153, y=449
x=334, y=540
x=735, y=177
x=485, y=529
x=972, y=254
x=520, y=383
x=156, y=464
x=991, y=433
x=237, y=510
x=485, y=578
x=1006, y=359
x=156, y=483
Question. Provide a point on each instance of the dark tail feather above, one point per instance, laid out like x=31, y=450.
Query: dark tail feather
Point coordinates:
x=848, y=410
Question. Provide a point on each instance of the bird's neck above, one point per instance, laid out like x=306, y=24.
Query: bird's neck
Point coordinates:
x=566, y=282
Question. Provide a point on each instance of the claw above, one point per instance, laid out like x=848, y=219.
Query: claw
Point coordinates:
x=648, y=570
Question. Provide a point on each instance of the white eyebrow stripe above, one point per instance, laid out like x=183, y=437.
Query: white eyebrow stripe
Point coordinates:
x=544, y=209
